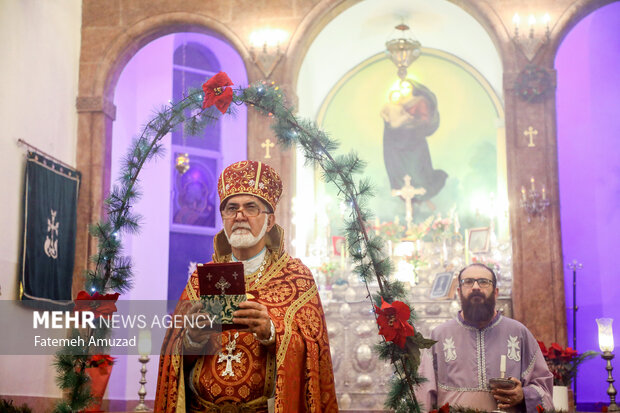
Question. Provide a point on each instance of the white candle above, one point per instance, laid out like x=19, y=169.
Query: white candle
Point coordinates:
x=144, y=342
x=502, y=365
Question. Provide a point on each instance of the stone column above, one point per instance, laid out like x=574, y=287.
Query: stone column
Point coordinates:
x=260, y=139
x=531, y=140
x=95, y=117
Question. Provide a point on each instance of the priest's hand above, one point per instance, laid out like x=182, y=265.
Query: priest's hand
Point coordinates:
x=200, y=328
x=506, y=398
x=256, y=317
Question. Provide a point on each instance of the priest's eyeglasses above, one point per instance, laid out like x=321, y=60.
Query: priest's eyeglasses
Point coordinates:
x=482, y=282
x=249, y=210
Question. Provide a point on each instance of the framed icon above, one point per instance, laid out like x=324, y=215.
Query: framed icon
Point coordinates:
x=478, y=239
x=444, y=286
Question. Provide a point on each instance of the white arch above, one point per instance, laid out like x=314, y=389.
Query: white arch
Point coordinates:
x=360, y=32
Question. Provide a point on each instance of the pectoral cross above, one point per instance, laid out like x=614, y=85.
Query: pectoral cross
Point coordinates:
x=229, y=357
x=408, y=192
x=531, y=132
x=267, y=144
x=222, y=284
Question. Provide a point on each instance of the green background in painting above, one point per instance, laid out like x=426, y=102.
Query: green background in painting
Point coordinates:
x=464, y=145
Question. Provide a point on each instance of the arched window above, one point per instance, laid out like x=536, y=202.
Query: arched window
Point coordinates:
x=194, y=193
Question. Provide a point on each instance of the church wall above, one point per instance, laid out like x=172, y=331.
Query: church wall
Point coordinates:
x=588, y=129
x=39, y=51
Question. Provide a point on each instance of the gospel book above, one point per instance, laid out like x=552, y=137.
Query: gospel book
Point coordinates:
x=222, y=288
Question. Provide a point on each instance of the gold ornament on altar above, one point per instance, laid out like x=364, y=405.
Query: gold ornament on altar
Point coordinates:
x=182, y=163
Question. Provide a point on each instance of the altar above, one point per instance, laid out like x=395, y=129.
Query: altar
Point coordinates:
x=428, y=267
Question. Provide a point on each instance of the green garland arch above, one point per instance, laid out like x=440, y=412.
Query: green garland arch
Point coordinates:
x=112, y=272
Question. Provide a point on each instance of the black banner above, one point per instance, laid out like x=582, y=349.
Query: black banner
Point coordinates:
x=49, y=232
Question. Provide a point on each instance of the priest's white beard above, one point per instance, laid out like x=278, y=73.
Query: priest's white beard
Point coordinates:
x=245, y=239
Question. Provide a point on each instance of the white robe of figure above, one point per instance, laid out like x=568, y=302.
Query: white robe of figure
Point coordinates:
x=458, y=367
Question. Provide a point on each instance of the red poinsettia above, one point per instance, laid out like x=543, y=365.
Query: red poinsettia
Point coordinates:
x=101, y=360
x=217, y=93
x=393, y=320
x=563, y=362
x=539, y=408
x=443, y=409
x=101, y=305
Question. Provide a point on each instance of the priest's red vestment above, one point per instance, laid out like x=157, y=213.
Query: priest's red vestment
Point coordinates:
x=297, y=370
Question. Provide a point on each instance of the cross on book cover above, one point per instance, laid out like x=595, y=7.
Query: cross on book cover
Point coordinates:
x=222, y=288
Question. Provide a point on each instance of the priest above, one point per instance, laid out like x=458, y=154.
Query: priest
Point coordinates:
x=470, y=349
x=281, y=361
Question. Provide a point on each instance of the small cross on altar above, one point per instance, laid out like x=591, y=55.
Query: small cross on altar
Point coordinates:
x=267, y=144
x=222, y=284
x=408, y=192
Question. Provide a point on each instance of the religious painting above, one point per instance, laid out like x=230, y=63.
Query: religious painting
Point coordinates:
x=434, y=144
x=410, y=116
x=478, y=240
x=194, y=193
x=444, y=286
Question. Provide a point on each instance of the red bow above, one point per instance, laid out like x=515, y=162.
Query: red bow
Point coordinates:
x=100, y=305
x=102, y=359
x=393, y=320
x=216, y=92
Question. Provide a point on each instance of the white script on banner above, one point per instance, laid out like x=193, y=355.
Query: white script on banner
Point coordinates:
x=51, y=243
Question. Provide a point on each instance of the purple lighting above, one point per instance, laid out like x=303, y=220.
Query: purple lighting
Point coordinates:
x=588, y=108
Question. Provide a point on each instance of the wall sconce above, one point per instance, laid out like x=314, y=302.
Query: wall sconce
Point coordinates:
x=534, y=203
x=538, y=34
x=265, y=48
x=606, y=344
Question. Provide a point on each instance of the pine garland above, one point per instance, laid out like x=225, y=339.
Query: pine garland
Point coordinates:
x=112, y=272
x=367, y=251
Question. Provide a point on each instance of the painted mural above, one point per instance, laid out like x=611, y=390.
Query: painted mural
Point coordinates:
x=434, y=142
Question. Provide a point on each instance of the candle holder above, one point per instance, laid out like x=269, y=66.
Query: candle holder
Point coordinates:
x=144, y=348
x=538, y=34
x=611, y=390
x=533, y=202
x=142, y=407
x=606, y=344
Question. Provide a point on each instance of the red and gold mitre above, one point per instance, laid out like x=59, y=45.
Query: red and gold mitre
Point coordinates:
x=250, y=178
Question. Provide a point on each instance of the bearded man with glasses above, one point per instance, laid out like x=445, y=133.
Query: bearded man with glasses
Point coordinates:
x=281, y=362
x=469, y=349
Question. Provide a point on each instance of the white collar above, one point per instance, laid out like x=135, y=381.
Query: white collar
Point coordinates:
x=252, y=264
